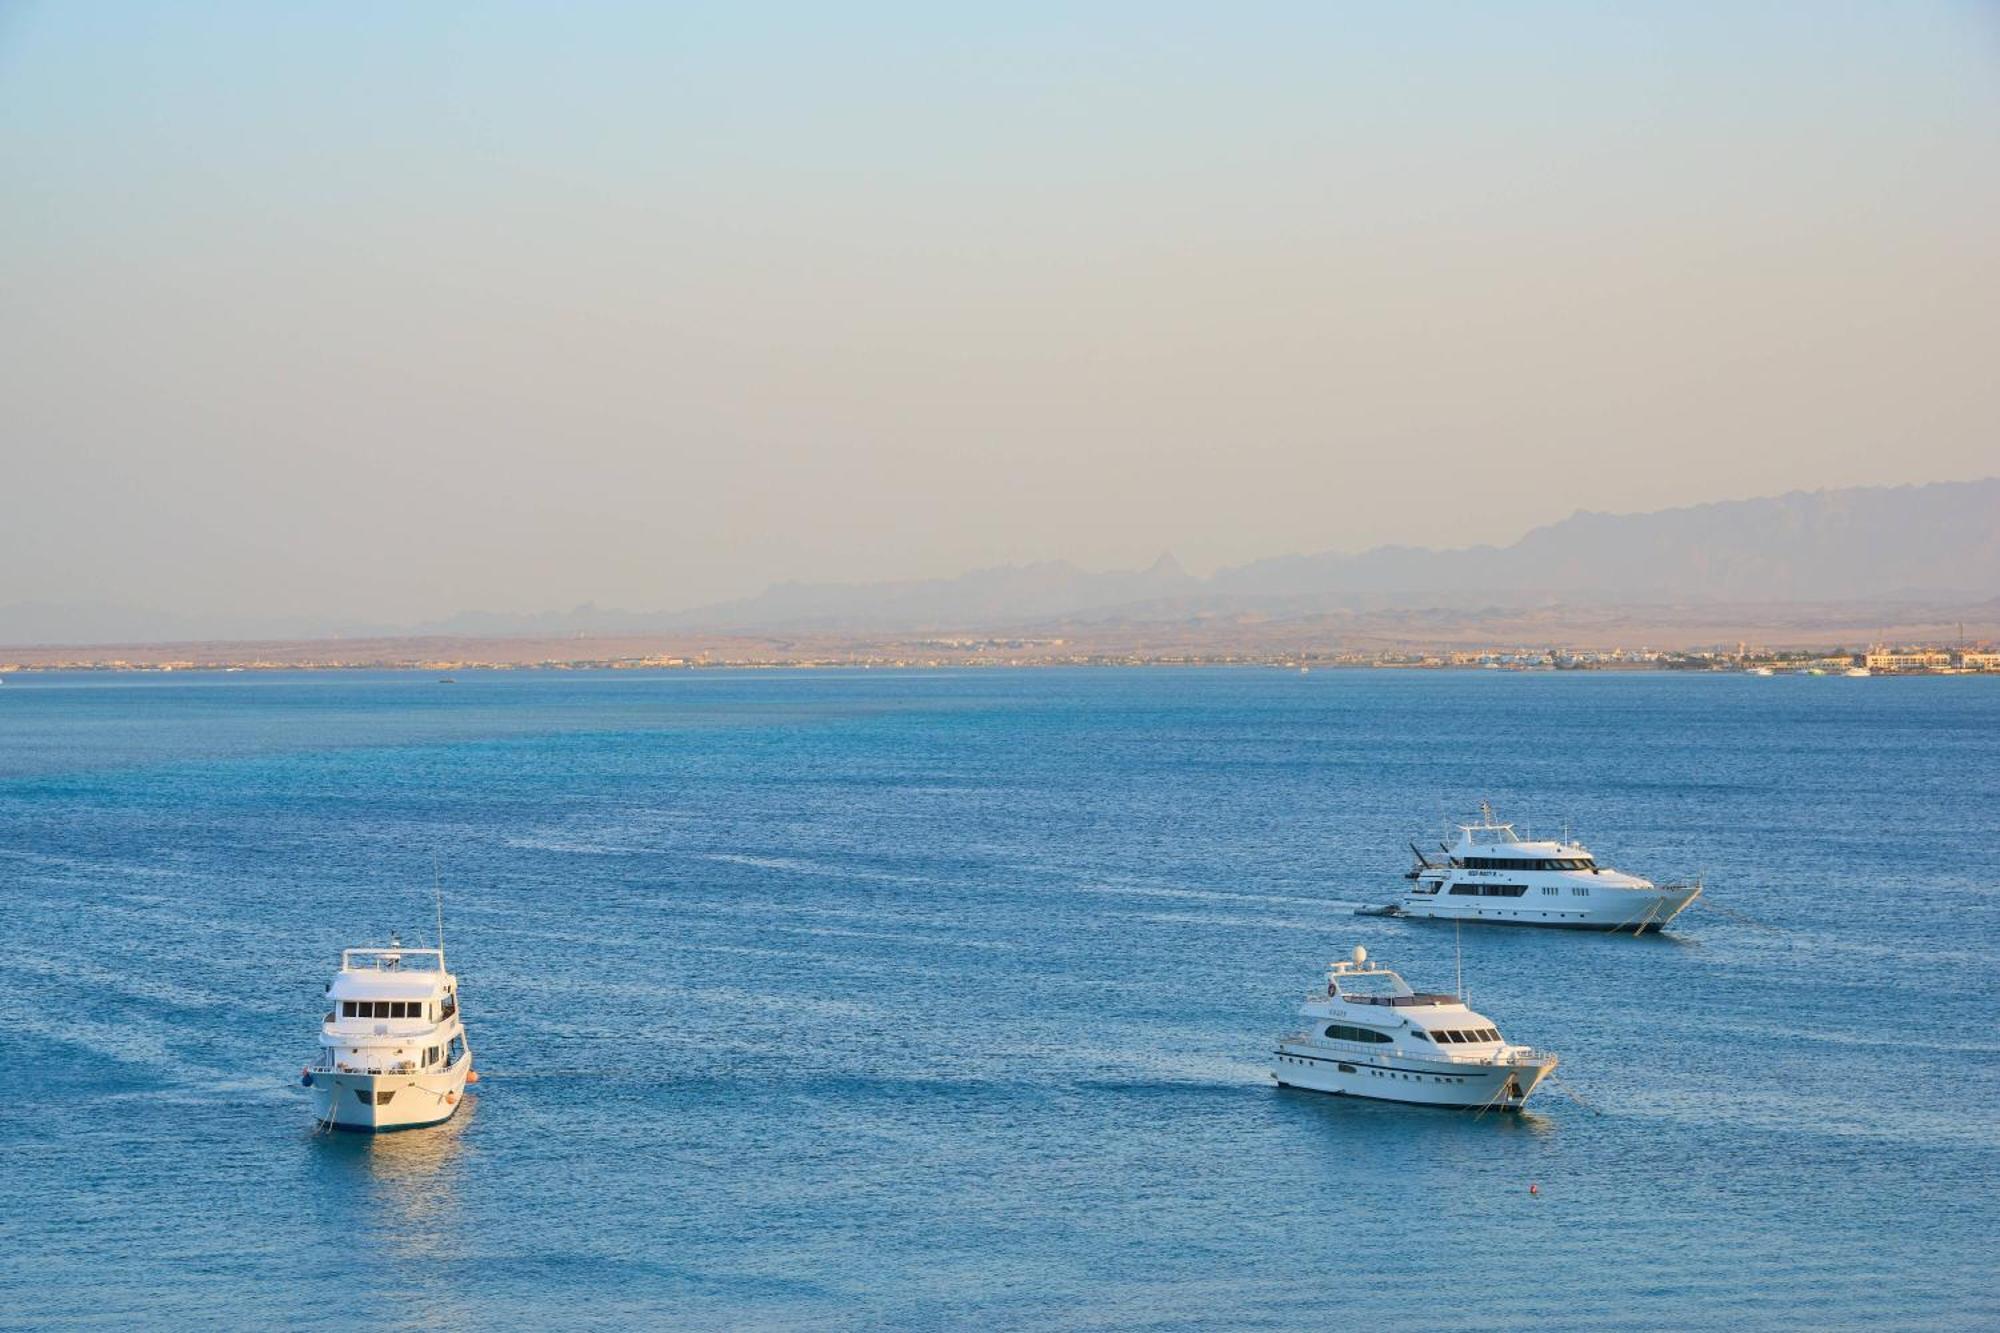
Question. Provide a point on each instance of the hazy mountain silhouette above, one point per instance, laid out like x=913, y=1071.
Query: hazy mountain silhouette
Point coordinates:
x=1938, y=542
x=1007, y=595
x=1932, y=545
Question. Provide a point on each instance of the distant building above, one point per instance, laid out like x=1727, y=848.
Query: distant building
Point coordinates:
x=1912, y=660
x=1979, y=661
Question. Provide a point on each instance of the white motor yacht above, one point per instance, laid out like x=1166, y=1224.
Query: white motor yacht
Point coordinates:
x=1370, y=1035
x=1492, y=875
x=392, y=1047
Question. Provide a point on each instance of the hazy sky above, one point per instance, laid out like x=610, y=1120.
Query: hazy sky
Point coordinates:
x=389, y=311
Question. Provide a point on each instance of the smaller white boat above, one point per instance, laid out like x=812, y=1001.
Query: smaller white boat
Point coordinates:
x=1859, y=671
x=1762, y=671
x=1370, y=1035
x=392, y=1052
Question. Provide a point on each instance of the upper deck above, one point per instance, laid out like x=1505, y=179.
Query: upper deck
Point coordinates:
x=1414, y=1000
x=1356, y=982
x=1493, y=845
x=393, y=973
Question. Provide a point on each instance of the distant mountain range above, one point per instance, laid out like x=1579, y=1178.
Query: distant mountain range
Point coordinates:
x=1932, y=545
x=1936, y=543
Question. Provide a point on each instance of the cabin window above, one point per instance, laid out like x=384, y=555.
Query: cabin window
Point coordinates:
x=347, y=1008
x=1465, y=890
x=1420, y=1034
x=1344, y=1032
x=457, y=1049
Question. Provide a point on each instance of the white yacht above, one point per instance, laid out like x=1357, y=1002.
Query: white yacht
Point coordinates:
x=1370, y=1035
x=1492, y=875
x=392, y=1052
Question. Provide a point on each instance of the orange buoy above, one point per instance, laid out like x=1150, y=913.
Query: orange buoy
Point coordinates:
x=451, y=1098
x=472, y=1076
x=1534, y=1189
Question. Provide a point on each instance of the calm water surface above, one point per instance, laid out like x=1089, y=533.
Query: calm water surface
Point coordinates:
x=864, y=998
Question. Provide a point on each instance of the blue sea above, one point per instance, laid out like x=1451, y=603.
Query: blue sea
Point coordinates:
x=869, y=999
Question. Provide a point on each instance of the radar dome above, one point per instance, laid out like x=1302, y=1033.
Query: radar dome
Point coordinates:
x=1360, y=955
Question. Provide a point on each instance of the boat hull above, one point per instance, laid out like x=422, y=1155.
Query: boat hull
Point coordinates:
x=1633, y=913
x=385, y=1103
x=1503, y=1086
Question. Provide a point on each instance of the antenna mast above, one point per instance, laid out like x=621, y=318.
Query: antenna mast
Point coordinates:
x=437, y=896
x=1458, y=953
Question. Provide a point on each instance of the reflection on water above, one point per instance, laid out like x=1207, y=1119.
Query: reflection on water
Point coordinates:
x=412, y=1175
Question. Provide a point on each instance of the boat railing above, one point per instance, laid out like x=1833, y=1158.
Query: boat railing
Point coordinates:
x=391, y=958
x=329, y=1066
x=1417, y=999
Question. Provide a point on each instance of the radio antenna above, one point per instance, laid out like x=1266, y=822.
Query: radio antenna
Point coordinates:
x=437, y=895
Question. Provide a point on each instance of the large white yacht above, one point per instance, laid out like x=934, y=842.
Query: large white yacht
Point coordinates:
x=1370, y=1035
x=1492, y=875
x=392, y=1047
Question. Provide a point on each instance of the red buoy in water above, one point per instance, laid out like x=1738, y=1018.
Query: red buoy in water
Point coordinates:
x=1534, y=1189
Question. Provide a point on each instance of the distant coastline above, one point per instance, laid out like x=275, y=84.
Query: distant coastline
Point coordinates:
x=1289, y=648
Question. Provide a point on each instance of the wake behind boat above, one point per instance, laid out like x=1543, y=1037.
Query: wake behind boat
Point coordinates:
x=1371, y=1036
x=1492, y=875
x=392, y=1046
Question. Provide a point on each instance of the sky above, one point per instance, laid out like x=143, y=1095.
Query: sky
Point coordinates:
x=383, y=312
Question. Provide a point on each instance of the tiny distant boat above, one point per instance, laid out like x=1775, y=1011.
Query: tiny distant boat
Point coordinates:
x=1370, y=1035
x=1859, y=671
x=447, y=680
x=1491, y=875
x=392, y=1047
x=1762, y=671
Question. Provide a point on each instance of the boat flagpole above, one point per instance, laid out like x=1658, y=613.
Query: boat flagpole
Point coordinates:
x=437, y=896
x=1458, y=952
